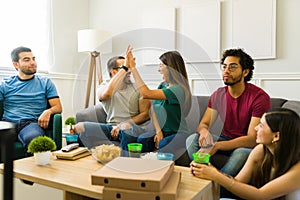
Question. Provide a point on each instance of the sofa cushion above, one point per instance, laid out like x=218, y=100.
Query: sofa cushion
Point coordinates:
x=92, y=114
x=195, y=113
x=293, y=105
x=277, y=102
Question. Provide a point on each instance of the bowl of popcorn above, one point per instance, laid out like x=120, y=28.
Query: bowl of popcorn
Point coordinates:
x=105, y=153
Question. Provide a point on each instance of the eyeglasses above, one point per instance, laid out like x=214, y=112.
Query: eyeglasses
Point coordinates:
x=231, y=67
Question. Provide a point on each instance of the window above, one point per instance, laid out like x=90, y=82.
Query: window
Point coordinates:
x=26, y=23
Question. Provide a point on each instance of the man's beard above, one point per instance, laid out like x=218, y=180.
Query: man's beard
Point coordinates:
x=28, y=72
x=126, y=80
x=235, y=81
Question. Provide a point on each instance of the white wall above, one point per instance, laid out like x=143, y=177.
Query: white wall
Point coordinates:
x=69, y=71
x=69, y=16
x=275, y=75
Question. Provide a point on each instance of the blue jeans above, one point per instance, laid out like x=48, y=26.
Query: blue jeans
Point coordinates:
x=27, y=130
x=174, y=143
x=237, y=157
x=96, y=134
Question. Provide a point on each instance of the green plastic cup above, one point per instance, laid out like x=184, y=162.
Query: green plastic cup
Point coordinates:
x=201, y=158
x=134, y=149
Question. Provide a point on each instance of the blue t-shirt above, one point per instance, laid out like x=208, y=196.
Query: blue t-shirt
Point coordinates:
x=169, y=112
x=26, y=99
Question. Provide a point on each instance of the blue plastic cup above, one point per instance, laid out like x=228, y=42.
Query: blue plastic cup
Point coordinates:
x=165, y=156
x=71, y=138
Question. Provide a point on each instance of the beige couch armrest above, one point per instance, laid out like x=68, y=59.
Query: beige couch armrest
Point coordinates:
x=293, y=105
x=92, y=114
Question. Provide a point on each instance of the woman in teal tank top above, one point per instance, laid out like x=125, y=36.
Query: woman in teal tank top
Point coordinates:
x=172, y=101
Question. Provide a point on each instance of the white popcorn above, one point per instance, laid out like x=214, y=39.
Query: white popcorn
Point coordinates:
x=150, y=155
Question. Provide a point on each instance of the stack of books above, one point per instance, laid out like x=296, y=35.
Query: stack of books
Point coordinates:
x=136, y=178
x=73, y=154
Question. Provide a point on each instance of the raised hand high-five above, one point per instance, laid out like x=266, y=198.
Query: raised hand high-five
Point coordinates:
x=130, y=60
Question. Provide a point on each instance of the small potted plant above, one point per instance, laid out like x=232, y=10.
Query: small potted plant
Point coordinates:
x=70, y=121
x=41, y=148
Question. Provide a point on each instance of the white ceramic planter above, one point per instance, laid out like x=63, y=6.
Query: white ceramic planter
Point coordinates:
x=42, y=158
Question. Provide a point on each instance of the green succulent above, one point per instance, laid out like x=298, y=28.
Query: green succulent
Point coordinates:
x=40, y=144
x=70, y=121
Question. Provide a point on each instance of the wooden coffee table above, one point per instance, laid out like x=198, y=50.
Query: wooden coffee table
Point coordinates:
x=74, y=178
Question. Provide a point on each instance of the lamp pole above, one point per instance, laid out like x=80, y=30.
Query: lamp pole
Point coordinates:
x=90, y=40
x=92, y=71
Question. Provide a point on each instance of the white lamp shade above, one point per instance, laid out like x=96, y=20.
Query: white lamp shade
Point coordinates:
x=90, y=40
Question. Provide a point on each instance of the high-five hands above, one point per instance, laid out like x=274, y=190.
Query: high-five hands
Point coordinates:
x=130, y=60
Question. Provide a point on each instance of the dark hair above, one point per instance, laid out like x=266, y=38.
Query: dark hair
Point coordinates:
x=15, y=53
x=178, y=75
x=112, y=63
x=245, y=61
x=287, y=151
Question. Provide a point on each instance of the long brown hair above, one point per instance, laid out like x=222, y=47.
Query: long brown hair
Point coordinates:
x=178, y=75
x=287, y=151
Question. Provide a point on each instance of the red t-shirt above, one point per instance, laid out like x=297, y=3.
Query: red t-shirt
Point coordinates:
x=236, y=113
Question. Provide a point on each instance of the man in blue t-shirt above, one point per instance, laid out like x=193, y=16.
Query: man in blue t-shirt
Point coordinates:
x=26, y=96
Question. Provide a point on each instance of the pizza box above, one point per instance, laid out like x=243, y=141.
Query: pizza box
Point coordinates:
x=169, y=191
x=134, y=173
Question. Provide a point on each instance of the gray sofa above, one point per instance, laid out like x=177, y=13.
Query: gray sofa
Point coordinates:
x=199, y=104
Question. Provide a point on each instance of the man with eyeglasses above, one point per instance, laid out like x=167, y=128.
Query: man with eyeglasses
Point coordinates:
x=126, y=111
x=240, y=106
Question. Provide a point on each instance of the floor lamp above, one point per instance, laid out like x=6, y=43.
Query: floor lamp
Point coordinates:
x=94, y=42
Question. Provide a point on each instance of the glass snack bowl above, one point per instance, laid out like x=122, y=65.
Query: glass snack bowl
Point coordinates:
x=105, y=153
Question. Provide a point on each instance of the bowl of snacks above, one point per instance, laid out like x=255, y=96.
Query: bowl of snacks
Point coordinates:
x=149, y=155
x=105, y=153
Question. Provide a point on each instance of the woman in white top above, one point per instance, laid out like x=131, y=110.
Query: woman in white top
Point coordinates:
x=272, y=170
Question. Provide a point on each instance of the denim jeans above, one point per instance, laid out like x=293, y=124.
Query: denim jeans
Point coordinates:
x=27, y=130
x=237, y=157
x=97, y=133
x=174, y=143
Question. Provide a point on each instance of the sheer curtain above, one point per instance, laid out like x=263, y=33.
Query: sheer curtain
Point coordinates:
x=26, y=23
